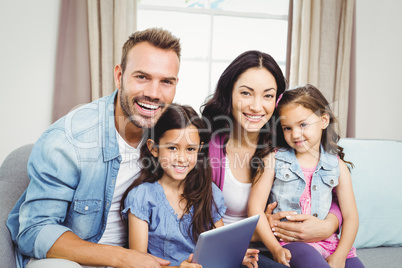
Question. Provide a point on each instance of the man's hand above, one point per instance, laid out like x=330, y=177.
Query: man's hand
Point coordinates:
x=300, y=227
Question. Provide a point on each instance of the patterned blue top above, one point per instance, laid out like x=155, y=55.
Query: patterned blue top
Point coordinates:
x=168, y=236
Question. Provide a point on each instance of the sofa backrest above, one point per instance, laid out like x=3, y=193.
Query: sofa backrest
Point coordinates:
x=377, y=184
x=13, y=182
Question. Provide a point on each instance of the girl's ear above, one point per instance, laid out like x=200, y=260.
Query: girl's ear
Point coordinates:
x=324, y=121
x=152, y=148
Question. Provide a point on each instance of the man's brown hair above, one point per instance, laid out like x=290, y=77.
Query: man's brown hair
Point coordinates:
x=157, y=37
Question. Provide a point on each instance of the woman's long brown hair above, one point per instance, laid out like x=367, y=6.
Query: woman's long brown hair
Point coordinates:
x=198, y=183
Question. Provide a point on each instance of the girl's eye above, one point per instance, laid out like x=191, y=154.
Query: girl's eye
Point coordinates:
x=172, y=148
x=191, y=149
x=286, y=128
x=303, y=125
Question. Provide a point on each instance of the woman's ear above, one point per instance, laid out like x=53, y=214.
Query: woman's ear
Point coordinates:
x=324, y=121
x=202, y=144
x=152, y=148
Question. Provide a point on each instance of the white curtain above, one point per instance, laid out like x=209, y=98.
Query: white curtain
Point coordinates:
x=110, y=23
x=321, y=50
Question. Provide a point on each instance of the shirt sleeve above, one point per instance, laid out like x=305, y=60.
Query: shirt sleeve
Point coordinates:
x=139, y=202
x=53, y=169
x=220, y=209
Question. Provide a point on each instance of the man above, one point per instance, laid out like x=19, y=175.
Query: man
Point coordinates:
x=80, y=167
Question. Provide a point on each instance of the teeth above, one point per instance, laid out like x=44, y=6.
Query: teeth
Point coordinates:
x=148, y=106
x=254, y=117
x=180, y=167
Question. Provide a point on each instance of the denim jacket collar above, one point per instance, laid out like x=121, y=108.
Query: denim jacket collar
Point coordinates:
x=109, y=139
x=327, y=161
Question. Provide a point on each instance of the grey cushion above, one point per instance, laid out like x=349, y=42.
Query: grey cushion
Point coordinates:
x=389, y=257
x=13, y=181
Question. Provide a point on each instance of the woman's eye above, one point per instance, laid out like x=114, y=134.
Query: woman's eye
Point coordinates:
x=245, y=93
x=269, y=96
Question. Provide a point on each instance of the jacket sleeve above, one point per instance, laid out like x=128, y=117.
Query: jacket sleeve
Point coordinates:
x=53, y=169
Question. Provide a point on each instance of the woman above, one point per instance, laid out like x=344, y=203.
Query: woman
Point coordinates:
x=242, y=117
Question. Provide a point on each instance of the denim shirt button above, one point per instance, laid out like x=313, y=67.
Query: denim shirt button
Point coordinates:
x=332, y=182
x=315, y=215
x=286, y=176
x=314, y=187
x=86, y=208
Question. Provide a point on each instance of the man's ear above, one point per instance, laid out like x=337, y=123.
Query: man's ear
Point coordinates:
x=324, y=121
x=117, y=76
x=152, y=148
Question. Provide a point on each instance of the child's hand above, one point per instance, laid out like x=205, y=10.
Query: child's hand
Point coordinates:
x=251, y=258
x=187, y=263
x=282, y=255
x=335, y=262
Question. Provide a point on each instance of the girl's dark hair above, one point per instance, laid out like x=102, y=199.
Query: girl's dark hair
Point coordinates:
x=311, y=98
x=198, y=183
x=218, y=109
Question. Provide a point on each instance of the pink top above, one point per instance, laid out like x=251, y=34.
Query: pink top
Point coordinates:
x=328, y=246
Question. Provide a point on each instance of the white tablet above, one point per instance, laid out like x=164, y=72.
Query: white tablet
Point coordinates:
x=225, y=247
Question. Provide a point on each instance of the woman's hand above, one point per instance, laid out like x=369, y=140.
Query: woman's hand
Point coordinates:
x=282, y=255
x=300, y=227
x=187, y=263
x=251, y=258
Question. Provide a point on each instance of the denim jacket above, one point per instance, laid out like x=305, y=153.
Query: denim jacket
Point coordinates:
x=290, y=183
x=72, y=170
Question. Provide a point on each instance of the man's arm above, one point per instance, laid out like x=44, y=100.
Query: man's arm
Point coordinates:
x=70, y=246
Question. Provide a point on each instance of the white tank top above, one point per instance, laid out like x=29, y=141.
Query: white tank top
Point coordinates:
x=236, y=195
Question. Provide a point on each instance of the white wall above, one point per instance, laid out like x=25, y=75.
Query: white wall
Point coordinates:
x=28, y=31
x=28, y=54
x=378, y=69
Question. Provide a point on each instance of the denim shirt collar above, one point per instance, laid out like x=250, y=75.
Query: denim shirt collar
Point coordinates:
x=327, y=161
x=109, y=139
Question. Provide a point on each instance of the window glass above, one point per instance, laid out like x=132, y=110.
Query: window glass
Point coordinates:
x=213, y=33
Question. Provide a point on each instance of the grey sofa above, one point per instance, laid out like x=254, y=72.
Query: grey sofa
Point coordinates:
x=377, y=181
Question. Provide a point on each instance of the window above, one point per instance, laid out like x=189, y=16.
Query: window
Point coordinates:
x=213, y=33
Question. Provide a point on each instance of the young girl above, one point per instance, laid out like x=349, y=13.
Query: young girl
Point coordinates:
x=301, y=176
x=174, y=200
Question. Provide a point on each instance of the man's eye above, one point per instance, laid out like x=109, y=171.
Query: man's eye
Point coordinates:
x=141, y=77
x=168, y=82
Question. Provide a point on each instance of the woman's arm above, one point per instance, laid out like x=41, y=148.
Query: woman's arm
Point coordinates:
x=256, y=205
x=348, y=207
x=137, y=233
x=300, y=227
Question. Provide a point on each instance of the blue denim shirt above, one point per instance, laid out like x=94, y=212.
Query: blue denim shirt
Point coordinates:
x=72, y=170
x=290, y=183
x=168, y=235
